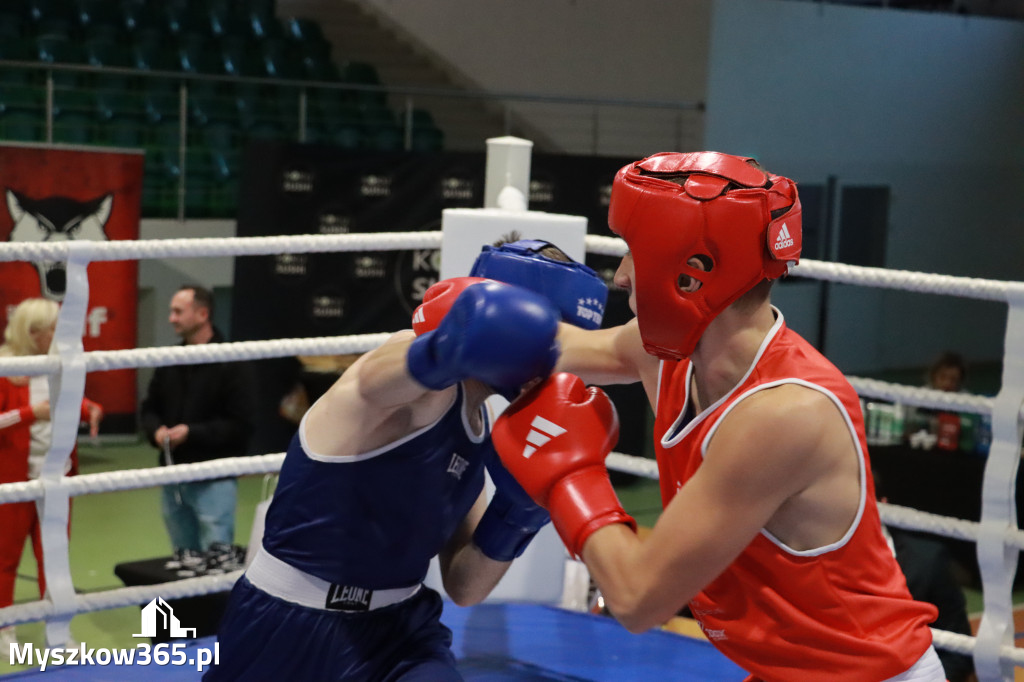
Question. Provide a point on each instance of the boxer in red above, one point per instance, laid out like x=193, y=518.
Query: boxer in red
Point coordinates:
x=770, y=532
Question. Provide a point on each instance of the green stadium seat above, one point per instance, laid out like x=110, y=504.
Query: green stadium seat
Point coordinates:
x=12, y=24
x=22, y=126
x=225, y=19
x=426, y=136
x=74, y=128
x=181, y=18
x=74, y=100
x=60, y=50
x=121, y=132
x=97, y=17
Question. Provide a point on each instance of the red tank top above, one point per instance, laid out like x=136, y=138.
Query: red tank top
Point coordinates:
x=840, y=612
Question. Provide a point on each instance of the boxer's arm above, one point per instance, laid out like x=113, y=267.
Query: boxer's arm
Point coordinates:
x=469, y=575
x=606, y=356
x=374, y=402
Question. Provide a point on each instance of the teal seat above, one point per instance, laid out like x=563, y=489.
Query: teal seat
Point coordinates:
x=224, y=19
x=22, y=126
x=426, y=136
x=361, y=73
x=74, y=128
x=121, y=132
x=12, y=24
x=120, y=105
x=24, y=98
x=74, y=101
x=62, y=50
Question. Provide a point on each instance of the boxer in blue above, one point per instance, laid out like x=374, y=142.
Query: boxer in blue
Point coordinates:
x=387, y=470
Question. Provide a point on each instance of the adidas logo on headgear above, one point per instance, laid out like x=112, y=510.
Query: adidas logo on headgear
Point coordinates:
x=784, y=239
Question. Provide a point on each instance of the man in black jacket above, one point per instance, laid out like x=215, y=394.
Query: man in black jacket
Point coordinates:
x=195, y=413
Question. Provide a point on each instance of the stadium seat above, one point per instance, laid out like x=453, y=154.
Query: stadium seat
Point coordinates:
x=73, y=127
x=361, y=73
x=95, y=16
x=74, y=101
x=212, y=103
x=12, y=24
x=380, y=130
x=307, y=36
x=101, y=53
x=426, y=136
x=181, y=18
x=54, y=49
x=121, y=132
x=18, y=49
x=159, y=103
x=22, y=126
x=224, y=19
x=279, y=60
x=138, y=17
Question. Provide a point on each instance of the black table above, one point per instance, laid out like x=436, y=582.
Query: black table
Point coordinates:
x=202, y=613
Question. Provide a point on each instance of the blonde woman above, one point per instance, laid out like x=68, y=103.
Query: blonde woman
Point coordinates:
x=25, y=431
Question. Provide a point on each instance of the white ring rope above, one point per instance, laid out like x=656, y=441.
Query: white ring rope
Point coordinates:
x=85, y=251
x=147, y=249
x=28, y=612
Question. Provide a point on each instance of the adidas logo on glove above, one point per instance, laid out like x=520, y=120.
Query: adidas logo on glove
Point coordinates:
x=541, y=431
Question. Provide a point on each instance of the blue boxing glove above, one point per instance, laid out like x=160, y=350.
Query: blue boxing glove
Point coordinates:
x=511, y=519
x=499, y=334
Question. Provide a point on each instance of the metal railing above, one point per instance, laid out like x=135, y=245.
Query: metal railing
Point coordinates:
x=193, y=125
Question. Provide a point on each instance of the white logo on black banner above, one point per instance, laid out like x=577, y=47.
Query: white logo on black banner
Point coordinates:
x=369, y=267
x=375, y=186
x=297, y=181
x=291, y=264
x=334, y=223
x=542, y=191
x=456, y=189
x=327, y=307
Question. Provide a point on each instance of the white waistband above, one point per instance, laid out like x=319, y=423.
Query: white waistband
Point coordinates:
x=284, y=581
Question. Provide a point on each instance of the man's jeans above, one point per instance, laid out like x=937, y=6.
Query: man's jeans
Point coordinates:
x=200, y=513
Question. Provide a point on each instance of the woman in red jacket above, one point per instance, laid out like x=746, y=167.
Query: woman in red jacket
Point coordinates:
x=25, y=438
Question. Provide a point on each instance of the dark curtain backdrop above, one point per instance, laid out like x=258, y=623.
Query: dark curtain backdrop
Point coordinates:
x=291, y=189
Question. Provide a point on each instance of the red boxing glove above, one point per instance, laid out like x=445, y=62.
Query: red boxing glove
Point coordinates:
x=437, y=300
x=554, y=440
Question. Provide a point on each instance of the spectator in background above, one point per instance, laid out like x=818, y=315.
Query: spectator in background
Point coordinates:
x=25, y=432
x=948, y=372
x=928, y=567
x=196, y=413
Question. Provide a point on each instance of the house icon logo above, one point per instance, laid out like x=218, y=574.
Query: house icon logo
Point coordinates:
x=157, y=617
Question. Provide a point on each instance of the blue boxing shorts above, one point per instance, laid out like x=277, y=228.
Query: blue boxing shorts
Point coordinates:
x=263, y=637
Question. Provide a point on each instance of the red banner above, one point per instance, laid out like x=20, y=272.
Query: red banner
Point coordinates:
x=58, y=194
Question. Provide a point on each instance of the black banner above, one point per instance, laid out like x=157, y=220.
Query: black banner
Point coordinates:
x=292, y=189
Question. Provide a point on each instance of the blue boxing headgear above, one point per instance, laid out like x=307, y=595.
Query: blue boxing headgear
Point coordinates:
x=575, y=290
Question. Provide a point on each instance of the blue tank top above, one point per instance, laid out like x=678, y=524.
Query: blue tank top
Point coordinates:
x=376, y=519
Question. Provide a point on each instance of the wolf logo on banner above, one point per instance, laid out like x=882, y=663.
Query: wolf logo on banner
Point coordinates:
x=51, y=194
x=52, y=219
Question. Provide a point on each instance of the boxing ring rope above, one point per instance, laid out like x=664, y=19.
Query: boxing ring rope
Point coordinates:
x=995, y=535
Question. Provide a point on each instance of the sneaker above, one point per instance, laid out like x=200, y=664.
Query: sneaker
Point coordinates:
x=8, y=637
x=222, y=558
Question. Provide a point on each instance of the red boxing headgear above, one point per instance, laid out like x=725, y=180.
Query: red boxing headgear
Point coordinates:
x=744, y=224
